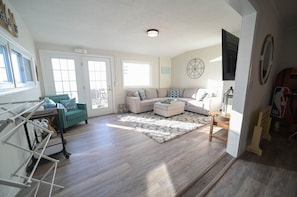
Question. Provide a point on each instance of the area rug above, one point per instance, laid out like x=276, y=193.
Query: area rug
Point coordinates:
x=163, y=129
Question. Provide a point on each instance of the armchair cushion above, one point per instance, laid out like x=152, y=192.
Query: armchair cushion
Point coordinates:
x=73, y=114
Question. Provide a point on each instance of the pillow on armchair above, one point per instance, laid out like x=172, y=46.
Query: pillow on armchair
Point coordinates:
x=69, y=104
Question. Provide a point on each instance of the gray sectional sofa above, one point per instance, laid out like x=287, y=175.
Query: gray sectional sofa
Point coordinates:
x=196, y=100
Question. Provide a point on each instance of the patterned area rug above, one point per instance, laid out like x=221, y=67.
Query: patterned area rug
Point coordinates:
x=163, y=129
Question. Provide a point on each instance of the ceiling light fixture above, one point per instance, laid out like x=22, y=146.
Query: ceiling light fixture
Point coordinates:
x=152, y=32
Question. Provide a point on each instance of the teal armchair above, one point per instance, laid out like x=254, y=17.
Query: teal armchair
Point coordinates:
x=69, y=117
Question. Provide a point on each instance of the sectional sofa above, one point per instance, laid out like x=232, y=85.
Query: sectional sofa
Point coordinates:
x=196, y=100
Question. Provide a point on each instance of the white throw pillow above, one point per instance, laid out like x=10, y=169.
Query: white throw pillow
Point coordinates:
x=201, y=94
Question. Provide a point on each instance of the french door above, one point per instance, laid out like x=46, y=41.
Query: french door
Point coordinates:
x=98, y=86
x=88, y=79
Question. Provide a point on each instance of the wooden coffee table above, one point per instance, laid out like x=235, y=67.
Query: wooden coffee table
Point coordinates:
x=221, y=120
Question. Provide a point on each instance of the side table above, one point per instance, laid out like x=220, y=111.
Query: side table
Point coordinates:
x=221, y=120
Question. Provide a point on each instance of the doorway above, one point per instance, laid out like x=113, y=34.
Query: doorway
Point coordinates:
x=98, y=88
x=86, y=78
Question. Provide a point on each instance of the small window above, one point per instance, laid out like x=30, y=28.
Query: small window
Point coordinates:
x=16, y=67
x=21, y=68
x=136, y=74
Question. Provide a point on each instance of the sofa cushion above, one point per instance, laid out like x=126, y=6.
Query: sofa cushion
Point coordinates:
x=142, y=94
x=174, y=93
x=147, y=102
x=195, y=103
x=162, y=92
x=151, y=93
x=201, y=94
x=185, y=100
x=190, y=93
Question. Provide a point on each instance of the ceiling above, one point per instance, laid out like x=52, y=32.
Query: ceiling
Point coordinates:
x=120, y=25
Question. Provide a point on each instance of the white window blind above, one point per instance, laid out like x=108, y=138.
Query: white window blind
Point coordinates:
x=136, y=74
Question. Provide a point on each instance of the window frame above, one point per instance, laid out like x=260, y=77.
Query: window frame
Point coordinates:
x=23, y=78
x=10, y=48
x=141, y=85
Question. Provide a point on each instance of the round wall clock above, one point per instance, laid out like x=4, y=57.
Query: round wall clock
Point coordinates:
x=195, y=68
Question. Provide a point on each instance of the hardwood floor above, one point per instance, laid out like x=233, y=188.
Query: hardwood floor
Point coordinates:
x=273, y=174
x=111, y=160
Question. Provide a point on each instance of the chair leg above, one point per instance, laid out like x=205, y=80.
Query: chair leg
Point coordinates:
x=86, y=121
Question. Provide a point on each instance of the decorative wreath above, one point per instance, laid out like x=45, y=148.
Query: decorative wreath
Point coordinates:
x=195, y=68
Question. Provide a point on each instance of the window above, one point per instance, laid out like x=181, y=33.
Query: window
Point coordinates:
x=16, y=67
x=64, y=76
x=21, y=68
x=136, y=74
x=5, y=71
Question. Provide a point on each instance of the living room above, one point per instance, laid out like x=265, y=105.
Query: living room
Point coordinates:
x=254, y=28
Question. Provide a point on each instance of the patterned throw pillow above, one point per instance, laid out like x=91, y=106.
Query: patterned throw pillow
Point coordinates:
x=174, y=93
x=69, y=104
x=142, y=94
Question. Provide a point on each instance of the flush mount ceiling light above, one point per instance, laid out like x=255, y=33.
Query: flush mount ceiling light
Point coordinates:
x=152, y=32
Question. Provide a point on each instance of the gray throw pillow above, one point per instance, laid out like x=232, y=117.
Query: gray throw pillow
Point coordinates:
x=142, y=94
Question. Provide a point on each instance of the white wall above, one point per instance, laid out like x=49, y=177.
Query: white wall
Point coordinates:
x=117, y=78
x=165, y=76
x=25, y=40
x=288, y=57
x=212, y=76
x=253, y=96
x=11, y=158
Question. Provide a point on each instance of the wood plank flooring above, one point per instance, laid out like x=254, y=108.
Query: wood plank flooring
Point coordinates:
x=273, y=174
x=111, y=160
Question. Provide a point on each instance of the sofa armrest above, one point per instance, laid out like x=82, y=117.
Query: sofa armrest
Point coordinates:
x=212, y=103
x=133, y=104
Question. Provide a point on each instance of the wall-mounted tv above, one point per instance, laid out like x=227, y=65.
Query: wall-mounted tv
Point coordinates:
x=229, y=55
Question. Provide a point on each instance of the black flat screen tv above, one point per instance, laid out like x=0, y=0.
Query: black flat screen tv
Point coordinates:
x=229, y=55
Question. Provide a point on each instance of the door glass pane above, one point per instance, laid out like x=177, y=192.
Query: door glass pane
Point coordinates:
x=98, y=84
x=64, y=76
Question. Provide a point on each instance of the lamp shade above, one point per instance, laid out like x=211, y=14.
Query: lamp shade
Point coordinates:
x=152, y=32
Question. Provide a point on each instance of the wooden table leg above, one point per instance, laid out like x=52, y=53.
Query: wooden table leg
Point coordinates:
x=211, y=128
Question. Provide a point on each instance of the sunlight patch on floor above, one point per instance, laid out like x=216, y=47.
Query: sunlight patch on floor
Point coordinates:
x=159, y=182
x=120, y=127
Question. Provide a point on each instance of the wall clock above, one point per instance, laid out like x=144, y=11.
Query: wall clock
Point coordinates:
x=195, y=68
